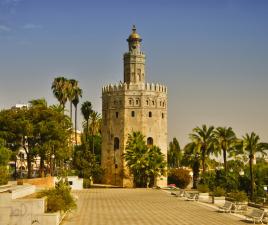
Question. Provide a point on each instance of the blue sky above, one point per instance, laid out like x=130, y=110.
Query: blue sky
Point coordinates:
x=212, y=55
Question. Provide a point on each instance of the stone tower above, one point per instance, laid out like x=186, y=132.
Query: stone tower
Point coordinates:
x=131, y=106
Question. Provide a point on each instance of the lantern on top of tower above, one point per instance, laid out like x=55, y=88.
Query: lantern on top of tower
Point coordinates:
x=134, y=40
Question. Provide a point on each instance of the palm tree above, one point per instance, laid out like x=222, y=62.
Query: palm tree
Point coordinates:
x=204, y=142
x=135, y=157
x=226, y=142
x=77, y=94
x=174, y=154
x=57, y=108
x=252, y=146
x=86, y=110
x=94, y=126
x=192, y=157
x=59, y=88
x=144, y=162
x=72, y=85
x=38, y=102
x=156, y=164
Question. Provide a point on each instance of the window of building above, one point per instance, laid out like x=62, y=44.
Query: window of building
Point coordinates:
x=116, y=143
x=116, y=114
x=150, y=141
x=163, y=115
x=153, y=102
x=137, y=101
x=129, y=101
x=150, y=114
x=147, y=102
x=133, y=113
x=160, y=103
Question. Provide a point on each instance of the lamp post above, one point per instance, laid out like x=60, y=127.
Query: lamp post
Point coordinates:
x=52, y=164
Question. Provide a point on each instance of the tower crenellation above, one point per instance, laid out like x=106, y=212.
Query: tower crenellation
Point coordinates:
x=133, y=105
x=124, y=86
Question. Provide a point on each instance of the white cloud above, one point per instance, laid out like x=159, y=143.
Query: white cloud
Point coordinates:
x=31, y=26
x=4, y=28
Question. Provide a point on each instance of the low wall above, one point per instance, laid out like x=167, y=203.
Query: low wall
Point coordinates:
x=40, y=182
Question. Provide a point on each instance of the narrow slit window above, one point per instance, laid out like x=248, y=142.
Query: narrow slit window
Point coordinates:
x=133, y=113
x=150, y=141
x=116, y=143
x=150, y=114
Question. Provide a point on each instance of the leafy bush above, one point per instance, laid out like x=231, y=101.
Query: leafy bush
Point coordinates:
x=4, y=176
x=180, y=177
x=238, y=196
x=209, y=179
x=219, y=191
x=86, y=183
x=58, y=198
x=203, y=188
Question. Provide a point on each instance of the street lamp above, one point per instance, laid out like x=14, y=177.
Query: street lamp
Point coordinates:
x=241, y=173
x=52, y=164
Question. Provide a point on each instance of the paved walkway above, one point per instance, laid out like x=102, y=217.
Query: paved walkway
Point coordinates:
x=142, y=207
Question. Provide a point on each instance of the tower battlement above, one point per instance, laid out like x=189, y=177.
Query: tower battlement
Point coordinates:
x=144, y=87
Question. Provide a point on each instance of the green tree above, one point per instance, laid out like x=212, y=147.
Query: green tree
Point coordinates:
x=226, y=141
x=94, y=127
x=174, y=154
x=77, y=95
x=33, y=128
x=60, y=90
x=204, y=140
x=71, y=86
x=191, y=157
x=85, y=163
x=5, y=154
x=86, y=110
x=252, y=145
x=143, y=162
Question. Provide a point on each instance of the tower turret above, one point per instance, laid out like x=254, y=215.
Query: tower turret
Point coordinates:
x=134, y=60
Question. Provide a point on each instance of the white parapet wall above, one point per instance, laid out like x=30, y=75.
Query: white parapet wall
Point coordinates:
x=17, y=207
x=75, y=182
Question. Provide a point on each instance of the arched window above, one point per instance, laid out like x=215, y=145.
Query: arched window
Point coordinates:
x=163, y=115
x=150, y=114
x=153, y=102
x=116, y=143
x=133, y=113
x=147, y=102
x=150, y=141
x=116, y=114
x=137, y=101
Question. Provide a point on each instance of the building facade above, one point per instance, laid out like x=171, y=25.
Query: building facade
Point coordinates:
x=133, y=105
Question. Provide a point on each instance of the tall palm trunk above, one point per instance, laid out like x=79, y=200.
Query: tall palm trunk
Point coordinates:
x=195, y=173
x=87, y=131
x=42, y=166
x=203, y=161
x=251, y=177
x=93, y=143
x=71, y=111
x=224, y=160
x=75, y=124
x=29, y=165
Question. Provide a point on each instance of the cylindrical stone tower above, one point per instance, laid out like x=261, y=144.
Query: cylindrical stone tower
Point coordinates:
x=131, y=106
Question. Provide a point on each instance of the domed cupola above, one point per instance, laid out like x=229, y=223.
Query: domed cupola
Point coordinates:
x=134, y=40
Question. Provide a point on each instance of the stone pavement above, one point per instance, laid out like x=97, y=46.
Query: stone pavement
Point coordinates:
x=142, y=207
